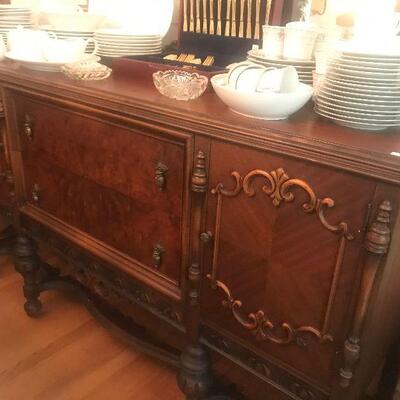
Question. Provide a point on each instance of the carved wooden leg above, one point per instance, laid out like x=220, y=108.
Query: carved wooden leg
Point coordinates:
x=7, y=239
x=195, y=378
x=27, y=263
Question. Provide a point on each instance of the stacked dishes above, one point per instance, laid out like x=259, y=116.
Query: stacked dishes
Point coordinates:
x=11, y=17
x=120, y=43
x=70, y=34
x=361, y=90
x=303, y=68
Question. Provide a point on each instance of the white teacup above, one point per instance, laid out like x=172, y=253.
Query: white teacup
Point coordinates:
x=26, y=43
x=66, y=50
x=273, y=40
x=299, y=41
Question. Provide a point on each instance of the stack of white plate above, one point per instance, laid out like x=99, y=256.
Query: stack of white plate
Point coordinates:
x=361, y=90
x=70, y=34
x=11, y=17
x=303, y=68
x=120, y=43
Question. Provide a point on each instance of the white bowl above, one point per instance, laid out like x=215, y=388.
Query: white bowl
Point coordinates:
x=267, y=106
x=79, y=21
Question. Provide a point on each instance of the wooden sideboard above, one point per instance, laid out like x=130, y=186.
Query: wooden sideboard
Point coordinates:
x=268, y=252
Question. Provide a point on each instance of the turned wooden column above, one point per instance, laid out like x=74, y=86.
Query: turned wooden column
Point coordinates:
x=376, y=245
x=27, y=263
x=195, y=376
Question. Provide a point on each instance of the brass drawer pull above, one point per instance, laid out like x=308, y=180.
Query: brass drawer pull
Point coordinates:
x=28, y=127
x=158, y=252
x=206, y=237
x=160, y=175
x=36, y=193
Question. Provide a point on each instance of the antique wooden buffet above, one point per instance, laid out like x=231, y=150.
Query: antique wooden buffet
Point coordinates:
x=268, y=252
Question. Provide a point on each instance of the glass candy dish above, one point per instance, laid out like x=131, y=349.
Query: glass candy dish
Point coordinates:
x=180, y=85
x=86, y=71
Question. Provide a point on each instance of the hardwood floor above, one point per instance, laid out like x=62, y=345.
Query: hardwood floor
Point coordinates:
x=66, y=355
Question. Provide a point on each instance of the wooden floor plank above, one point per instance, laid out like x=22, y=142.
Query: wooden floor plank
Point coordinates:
x=66, y=355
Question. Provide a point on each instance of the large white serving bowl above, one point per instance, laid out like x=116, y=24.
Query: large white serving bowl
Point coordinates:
x=268, y=105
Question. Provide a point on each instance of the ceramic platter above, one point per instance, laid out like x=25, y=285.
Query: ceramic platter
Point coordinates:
x=119, y=43
x=45, y=66
x=361, y=90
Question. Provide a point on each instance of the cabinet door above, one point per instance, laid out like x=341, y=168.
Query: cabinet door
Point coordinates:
x=121, y=184
x=282, y=265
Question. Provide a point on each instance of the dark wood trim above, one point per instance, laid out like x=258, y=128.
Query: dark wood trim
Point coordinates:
x=254, y=133
x=120, y=261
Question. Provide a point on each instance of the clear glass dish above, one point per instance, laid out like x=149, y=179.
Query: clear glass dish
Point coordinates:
x=86, y=71
x=180, y=85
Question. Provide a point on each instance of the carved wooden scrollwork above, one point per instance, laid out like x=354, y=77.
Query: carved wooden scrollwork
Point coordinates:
x=279, y=188
x=262, y=327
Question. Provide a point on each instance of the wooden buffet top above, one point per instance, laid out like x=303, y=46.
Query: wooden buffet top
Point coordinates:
x=304, y=135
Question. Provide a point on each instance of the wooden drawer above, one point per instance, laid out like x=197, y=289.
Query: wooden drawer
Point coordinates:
x=121, y=184
x=286, y=240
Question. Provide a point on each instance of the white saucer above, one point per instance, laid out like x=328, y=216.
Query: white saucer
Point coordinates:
x=43, y=65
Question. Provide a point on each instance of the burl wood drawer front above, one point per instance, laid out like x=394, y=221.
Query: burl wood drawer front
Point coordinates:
x=118, y=184
x=283, y=264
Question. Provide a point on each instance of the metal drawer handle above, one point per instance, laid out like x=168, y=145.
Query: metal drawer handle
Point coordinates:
x=160, y=175
x=158, y=252
x=36, y=193
x=28, y=127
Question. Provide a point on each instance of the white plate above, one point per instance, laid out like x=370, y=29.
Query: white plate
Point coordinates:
x=350, y=124
x=390, y=49
x=364, y=74
x=44, y=65
x=362, y=68
x=258, y=54
x=15, y=19
x=365, y=64
x=122, y=33
x=126, y=53
x=359, y=99
x=113, y=54
x=366, y=81
x=281, y=65
x=371, y=111
x=360, y=117
x=375, y=98
x=10, y=25
x=51, y=28
x=69, y=34
x=370, y=59
x=380, y=90
x=135, y=47
x=126, y=41
x=346, y=102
